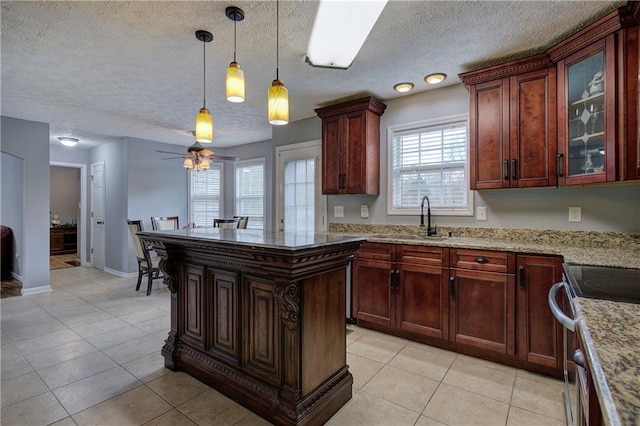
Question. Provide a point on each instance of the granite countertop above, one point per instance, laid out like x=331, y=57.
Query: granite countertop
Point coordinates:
x=611, y=332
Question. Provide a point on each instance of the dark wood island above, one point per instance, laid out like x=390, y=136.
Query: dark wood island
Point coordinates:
x=260, y=317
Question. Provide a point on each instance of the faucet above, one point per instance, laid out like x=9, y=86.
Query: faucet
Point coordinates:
x=430, y=231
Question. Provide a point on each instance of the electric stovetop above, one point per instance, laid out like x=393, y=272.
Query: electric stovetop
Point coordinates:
x=601, y=282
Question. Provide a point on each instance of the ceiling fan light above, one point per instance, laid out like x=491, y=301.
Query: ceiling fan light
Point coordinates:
x=204, y=164
x=235, y=83
x=204, y=126
x=435, y=78
x=188, y=163
x=278, y=98
x=66, y=141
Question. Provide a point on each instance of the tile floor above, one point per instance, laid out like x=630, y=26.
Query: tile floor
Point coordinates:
x=89, y=353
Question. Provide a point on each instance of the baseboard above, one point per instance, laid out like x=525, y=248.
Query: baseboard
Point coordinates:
x=36, y=290
x=120, y=273
x=16, y=276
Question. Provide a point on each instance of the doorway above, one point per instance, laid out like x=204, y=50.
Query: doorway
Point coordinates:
x=300, y=205
x=74, y=216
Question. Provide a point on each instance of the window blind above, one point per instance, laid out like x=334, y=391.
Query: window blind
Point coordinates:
x=250, y=192
x=430, y=161
x=205, y=195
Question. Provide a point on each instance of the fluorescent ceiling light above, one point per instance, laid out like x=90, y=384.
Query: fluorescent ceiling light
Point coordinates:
x=340, y=30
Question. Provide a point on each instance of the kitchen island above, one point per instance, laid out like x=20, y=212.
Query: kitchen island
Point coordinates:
x=260, y=317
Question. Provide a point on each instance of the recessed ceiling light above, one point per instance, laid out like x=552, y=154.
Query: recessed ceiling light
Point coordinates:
x=403, y=87
x=435, y=78
x=68, y=141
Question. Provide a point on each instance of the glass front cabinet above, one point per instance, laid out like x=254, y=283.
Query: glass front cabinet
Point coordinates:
x=586, y=95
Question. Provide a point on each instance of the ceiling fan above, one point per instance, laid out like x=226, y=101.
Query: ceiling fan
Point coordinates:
x=197, y=157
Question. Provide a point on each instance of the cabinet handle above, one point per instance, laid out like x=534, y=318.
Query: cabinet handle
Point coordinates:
x=339, y=180
x=560, y=164
x=514, y=170
x=397, y=279
x=392, y=279
x=452, y=287
x=522, y=277
x=481, y=260
x=505, y=168
x=342, y=180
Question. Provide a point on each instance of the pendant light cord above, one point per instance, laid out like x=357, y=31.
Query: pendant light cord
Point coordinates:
x=204, y=74
x=277, y=39
x=234, y=40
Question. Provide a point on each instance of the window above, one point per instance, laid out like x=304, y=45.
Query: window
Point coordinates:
x=205, y=200
x=430, y=158
x=250, y=192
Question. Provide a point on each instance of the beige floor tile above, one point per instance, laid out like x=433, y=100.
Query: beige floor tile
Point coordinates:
x=353, y=337
x=402, y=388
x=150, y=313
x=73, y=309
x=362, y=369
x=162, y=324
x=477, y=378
x=552, y=381
x=428, y=421
x=367, y=409
x=86, y=318
x=21, y=388
x=115, y=337
x=136, y=348
x=49, y=341
x=14, y=368
x=99, y=327
x=171, y=418
x=76, y=369
x=148, y=367
x=133, y=407
x=542, y=397
x=19, y=332
x=67, y=421
x=438, y=351
x=43, y=409
x=126, y=308
x=85, y=393
x=177, y=388
x=423, y=362
x=455, y=406
x=375, y=349
x=520, y=417
x=213, y=408
x=487, y=364
x=48, y=357
x=253, y=419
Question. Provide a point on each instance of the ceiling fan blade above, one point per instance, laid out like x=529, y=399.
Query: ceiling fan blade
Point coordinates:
x=206, y=152
x=222, y=157
x=172, y=158
x=169, y=152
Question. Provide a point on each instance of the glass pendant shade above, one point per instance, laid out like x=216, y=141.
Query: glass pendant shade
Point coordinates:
x=204, y=126
x=188, y=163
x=204, y=164
x=278, y=98
x=235, y=83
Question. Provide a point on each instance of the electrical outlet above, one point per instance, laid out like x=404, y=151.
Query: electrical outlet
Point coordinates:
x=481, y=213
x=575, y=214
x=338, y=211
x=364, y=211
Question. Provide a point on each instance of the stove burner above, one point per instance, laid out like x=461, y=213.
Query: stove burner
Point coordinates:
x=618, y=284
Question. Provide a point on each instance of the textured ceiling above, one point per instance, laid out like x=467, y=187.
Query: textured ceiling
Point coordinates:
x=99, y=70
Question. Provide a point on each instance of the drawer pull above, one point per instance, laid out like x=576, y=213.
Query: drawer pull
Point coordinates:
x=505, y=167
x=482, y=260
x=522, y=277
x=452, y=287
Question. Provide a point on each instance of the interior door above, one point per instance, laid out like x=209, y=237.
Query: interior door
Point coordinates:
x=300, y=205
x=98, y=198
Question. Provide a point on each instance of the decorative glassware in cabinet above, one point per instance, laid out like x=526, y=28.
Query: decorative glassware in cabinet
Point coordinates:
x=586, y=110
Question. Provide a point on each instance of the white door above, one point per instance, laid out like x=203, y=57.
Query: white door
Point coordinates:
x=97, y=215
x=300, y=205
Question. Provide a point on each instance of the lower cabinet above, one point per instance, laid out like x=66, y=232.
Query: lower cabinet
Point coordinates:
x=589, y=411
x=485, y=302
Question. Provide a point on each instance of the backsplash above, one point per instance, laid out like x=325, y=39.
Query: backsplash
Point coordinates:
x=629, y=240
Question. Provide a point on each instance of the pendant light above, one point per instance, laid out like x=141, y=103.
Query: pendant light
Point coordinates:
x=204, y=121
x=278, y=95
x=235, y=75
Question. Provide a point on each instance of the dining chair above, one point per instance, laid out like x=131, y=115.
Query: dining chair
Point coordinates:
x=225, y=223
x=164, y=223
x=147, y=264
x=242, y=221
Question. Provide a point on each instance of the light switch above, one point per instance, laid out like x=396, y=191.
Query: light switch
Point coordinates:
x=364, y=211
x=481, y=213
x=338, y=211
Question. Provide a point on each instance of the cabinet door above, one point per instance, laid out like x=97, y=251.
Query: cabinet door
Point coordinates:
x=539, y=334
x=489, y=123
x=355, y=167
x=422, y=305
x=224, y=340
x=194, y=305
x=372, y=292
x=533, y=142
x=587, y=112
x=482, y=310
x=629, y=101
x=331, y=154
x=56, y=241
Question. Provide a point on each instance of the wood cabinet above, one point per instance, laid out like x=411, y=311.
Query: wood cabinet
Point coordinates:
x=63, y=240
x=402, y=287
x=512, y=125
x=539, y=334
x=589, y=411
x=351, y=147
x=482, y=293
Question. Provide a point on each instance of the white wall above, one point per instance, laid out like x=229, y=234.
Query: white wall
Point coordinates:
x=12, y=205
x=29, y=140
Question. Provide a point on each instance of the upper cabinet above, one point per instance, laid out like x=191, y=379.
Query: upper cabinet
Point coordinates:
x=512, y=121
x=351, y=147
x=568, y=116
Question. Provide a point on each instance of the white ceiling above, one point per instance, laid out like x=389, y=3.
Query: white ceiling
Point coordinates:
x=102, y=70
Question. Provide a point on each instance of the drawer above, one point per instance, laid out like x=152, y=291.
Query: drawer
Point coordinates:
x=483, y=260
x=56, y=231
x=377, y=251
x=423, y=255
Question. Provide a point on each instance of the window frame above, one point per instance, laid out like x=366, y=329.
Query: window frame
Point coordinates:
x=436, y=211
x=214, y=165
x=249, y=162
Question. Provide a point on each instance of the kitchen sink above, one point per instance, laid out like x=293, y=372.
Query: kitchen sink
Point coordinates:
x=422, y=237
